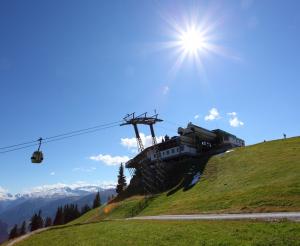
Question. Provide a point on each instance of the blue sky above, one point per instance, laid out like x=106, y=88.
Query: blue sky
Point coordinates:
x=68, y=65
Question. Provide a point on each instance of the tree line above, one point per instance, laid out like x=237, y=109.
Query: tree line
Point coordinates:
x=64, y=214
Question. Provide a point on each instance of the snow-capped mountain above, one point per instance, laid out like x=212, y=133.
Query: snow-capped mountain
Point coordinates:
x=16, y=208
x=6, y=196
x=56, y=191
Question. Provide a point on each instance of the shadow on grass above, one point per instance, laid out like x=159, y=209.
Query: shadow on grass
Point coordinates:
x=195, y=168
x=141, y=206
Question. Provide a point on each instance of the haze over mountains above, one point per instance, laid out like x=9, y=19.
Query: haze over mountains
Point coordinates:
x=16, y=208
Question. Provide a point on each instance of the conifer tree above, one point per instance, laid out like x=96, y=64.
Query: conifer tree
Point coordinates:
x=33, y=223
x=40, y=221
x=48, y=222
x=121, y=180
x=85, y=209
x=59, y=217
x=97, y=201
x=13, y=232
x=23, y=229
x=36, y=221
x=66, y=214
x=70, y=212
x=76, y=212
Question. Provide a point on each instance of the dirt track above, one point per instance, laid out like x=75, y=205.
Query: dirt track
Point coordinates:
x=293, y=216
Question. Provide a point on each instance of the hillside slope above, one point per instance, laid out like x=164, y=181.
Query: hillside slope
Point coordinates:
x=260, y=178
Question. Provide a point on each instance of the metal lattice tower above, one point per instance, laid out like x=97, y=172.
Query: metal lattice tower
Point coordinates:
x=161, y=175
x=153, y=177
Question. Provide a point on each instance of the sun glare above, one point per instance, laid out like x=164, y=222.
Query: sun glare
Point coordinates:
x=192, y=40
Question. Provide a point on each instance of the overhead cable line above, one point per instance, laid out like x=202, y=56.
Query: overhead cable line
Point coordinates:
x=24, y=147
x=16, y=145
x=83, y=130
x=81, y=133
x=59, y=137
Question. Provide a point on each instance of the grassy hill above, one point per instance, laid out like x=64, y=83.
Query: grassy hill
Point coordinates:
x=262, y=177
x=170, y=233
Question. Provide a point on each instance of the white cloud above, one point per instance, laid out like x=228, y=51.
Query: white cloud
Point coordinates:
x=52, y=173
x=166, y=90
x=213, y=115
x=4, y=195
x=84, y=169
x=234, y=120
x=110, y=160
x=2, y=189
x=134, y=151
x=196, y=116
x=131, y=143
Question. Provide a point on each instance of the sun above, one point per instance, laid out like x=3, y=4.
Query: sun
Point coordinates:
x=192, y=40
x=193, y=43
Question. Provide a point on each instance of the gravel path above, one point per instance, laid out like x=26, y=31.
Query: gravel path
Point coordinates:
x=293, y=216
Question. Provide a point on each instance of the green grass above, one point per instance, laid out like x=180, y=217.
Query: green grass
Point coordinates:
x=170, y=233
x=90, y=216
x=261, y=177
x=258, y=178
x=119, y=210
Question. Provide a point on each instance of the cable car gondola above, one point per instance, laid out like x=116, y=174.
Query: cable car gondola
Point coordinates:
x=37, y=156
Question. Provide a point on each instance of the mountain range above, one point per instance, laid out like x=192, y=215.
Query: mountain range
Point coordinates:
x=19, y=207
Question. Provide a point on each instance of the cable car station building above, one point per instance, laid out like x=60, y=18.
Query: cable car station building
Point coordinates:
x=193, y=141
x=162, y=165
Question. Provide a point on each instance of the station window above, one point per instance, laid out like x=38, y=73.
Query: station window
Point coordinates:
x=168, y=152
x=181, y=147
x=173, y=151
